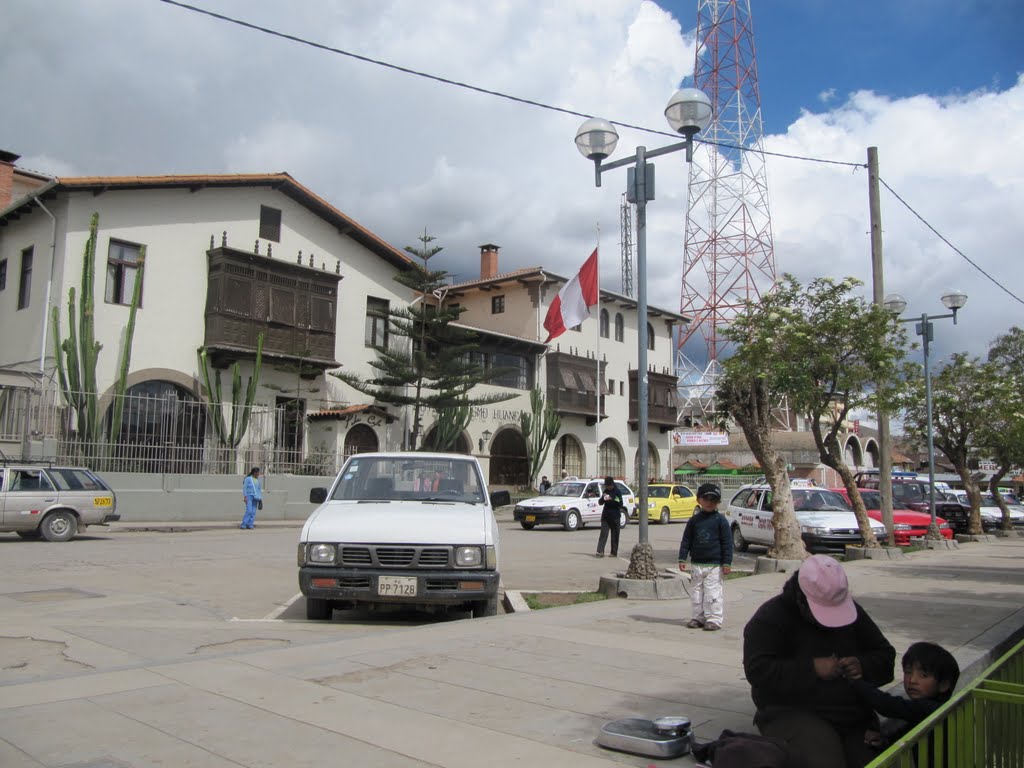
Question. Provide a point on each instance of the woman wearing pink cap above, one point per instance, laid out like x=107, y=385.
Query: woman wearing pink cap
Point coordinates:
x=800, y=650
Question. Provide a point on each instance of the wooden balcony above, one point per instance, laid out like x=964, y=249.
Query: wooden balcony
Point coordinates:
x=573, y=385
x=661, y=400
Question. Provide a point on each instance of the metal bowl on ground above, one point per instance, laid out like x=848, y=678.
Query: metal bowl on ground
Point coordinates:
x=643, y=737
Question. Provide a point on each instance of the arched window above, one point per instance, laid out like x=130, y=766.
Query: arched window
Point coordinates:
x=611, y=459
x=650, y=337
x=163, y=429
x=654, y=468
x=620, y=327
x=604, y=323
x=569, y=456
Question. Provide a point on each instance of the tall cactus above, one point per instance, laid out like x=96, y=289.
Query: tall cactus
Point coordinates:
x=76, y=368
x=231, y=436
x=451, y=422
x=539, y=428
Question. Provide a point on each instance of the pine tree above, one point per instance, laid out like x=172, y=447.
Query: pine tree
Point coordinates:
x=427, y=362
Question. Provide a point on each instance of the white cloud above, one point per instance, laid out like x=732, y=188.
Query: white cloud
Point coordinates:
x=129, y=87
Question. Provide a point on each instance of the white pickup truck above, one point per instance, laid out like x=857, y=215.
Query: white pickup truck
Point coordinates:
x=406, y=529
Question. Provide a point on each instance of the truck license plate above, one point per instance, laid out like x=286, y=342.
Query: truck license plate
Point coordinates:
x=531, y=518
x=397, y=586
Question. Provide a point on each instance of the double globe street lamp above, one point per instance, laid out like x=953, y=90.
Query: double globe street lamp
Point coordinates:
x=952, y=300
x=688, y=112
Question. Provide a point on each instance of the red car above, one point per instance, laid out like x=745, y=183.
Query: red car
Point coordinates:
x=906, y=522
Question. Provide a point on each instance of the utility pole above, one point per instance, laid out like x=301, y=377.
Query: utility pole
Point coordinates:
x=877, y=282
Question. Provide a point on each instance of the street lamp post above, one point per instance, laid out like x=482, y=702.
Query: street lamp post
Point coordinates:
x=688, y=111
x=952, y=300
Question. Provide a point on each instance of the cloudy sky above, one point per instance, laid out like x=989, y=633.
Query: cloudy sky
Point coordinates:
x=142, y=87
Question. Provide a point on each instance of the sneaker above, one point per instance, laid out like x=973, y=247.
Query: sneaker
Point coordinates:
x=712, y=627
x=694, y=624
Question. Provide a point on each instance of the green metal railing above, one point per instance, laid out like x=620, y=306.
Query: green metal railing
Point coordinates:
x=982, y=726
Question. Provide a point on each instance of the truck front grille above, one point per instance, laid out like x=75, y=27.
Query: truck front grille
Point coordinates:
x=381, y=556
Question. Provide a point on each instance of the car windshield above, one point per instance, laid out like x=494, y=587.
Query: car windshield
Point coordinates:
x=405, y=478
x=658, y=491
x=873, y=500
x=818, y=500
x=566, y=488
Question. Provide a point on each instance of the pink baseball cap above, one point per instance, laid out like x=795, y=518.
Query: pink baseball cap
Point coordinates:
x=824, y=584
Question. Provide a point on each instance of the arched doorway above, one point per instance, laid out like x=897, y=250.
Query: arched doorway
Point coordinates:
x=163, y=429
x=871, y=455
x=653, y=464
x=852, y=453
x=508, y=465
x=360, y=439
x=569, y=457
x=611, y=460
x=461, y=442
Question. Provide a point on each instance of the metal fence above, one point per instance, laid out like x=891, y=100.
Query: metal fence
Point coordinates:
x=979, y=727
x=170, y=433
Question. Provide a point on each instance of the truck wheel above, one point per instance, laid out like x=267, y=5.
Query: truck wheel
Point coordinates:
x=738, y=542
x=318, y=609
x=664, y=516
x=59, y=526
x=527, y=526
x=623, y=519
x=29, y=535
x=482, y=608
x=572, y=520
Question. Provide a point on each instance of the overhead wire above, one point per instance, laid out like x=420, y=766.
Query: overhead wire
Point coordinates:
x=566, y=111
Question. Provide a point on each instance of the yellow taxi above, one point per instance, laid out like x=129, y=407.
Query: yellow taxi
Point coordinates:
x=669, y=502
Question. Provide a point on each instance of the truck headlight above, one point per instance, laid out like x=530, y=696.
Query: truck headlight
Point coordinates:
x=321, y=553
x=468, y=557
x=816, y=531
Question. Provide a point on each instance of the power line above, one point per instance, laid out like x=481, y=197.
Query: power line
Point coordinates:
x=943, y=239
x=477, y=88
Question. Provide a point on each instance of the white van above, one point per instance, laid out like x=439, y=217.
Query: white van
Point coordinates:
x=407, y=529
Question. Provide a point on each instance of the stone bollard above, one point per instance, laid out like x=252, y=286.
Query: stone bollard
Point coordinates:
x=874, y=553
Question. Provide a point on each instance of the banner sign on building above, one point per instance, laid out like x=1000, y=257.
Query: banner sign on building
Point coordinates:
x=691, y=439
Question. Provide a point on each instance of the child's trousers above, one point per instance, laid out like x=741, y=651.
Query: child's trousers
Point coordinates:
x=707, y=593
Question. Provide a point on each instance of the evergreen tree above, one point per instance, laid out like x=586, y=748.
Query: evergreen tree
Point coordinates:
x=426, y=362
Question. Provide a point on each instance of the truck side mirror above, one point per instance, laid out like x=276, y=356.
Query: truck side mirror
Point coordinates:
x=317, y=495
x=500, y=499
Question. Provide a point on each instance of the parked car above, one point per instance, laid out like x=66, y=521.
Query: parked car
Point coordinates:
x=827, y=524
x=992, y=515
x=53, y=502
x=906, y=522
x=668, y=502
x=383, y=536
x=571, y=503
x=913, y=492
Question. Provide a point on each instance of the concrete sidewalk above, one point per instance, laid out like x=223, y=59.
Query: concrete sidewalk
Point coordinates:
x=525, y=689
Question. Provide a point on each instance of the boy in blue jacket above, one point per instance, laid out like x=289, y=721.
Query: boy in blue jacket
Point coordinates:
x=707, y=541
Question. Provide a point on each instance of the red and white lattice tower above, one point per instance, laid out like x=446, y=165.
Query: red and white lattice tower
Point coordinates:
x=728, y=257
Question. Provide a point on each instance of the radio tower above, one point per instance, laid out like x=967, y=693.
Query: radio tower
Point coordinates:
x=626, y=243
x=728, y=257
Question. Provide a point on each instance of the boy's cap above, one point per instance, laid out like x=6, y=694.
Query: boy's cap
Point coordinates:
x=824, y=584
x=710, y=491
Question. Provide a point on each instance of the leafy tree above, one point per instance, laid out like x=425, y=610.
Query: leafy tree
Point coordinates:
x=539, y=428
x=1002, y=436
x=834, y=346
x=963, y=391
x=747, y=395
x=433, y=368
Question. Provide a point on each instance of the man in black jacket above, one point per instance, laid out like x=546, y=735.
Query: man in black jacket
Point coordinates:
x=800, y=651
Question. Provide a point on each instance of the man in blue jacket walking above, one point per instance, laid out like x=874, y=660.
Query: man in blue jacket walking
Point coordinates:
x=707, y=541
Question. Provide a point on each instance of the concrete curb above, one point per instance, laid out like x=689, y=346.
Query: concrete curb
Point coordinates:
x=514, y=602
x=875, y=553
x=665, y=587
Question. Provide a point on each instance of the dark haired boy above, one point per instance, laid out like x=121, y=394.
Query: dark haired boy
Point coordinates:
x=707, y=541
x=930, y=674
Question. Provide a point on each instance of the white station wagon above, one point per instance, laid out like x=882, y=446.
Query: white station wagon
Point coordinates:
x=827, y=523
x=53, y=502
x=571, y=503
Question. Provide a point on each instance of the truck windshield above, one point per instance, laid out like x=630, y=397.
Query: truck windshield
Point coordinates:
x=405, y=478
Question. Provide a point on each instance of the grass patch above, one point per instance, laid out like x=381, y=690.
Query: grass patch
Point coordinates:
x=738, y=575
x=539, y=600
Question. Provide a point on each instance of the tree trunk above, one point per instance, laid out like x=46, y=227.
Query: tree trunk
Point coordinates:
x=830, y=455
x=993, y=486
x=973, y=497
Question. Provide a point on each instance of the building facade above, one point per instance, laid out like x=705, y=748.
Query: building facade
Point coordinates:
x=233, y=260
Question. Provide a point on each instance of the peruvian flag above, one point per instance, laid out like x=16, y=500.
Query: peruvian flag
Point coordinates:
x=572, y=304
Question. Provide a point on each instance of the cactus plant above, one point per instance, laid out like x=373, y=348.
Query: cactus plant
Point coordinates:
x=231, y=435
x=451, y=422
x=539, y=428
